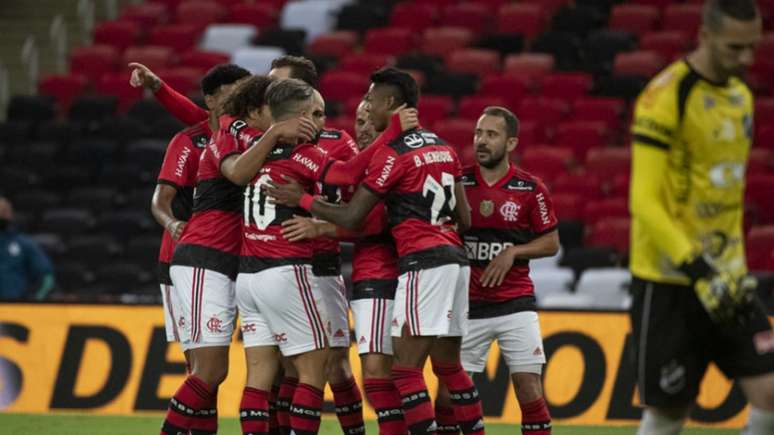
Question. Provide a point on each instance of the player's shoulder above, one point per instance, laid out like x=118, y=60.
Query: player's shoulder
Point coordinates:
x=331, y=134
x=662, y=90
x=468, y=178
x=199, y=134
x=338, y=143
x=415, y=139
x=522, y=181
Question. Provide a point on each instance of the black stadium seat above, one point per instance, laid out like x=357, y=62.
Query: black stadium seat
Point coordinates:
x=92, y=109
x=362, y=16
x=564, y=46
x=94, y=250
x=67, y=221
x=290, y=40
x=148, y=153
x=35, y=108
x=97, y=199
x=144, y=251
x=36, y=200
x=121, y=277
x=72, y=275
x=124, y=224
x=601, y=47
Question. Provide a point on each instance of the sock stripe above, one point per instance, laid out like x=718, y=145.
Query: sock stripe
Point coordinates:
x=415, y=399
x=464, y=397
x=536, y=426
x=253, y=415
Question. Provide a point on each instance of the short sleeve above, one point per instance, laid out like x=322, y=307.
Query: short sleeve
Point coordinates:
x=384, y=171
x=656, y=115
x=175, y=170
x=224, y=145
x=542, y=214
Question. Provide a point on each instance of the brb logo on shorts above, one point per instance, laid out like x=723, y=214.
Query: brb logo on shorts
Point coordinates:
x=214, y=324
x=248, y=327
x=281, y=338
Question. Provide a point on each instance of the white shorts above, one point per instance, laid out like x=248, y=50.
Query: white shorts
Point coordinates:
x=432, y=302
x=334, y=295
x=255, y=328
x=518, y=336
x=203, y=303
x=372, y=320
x=170, y=326
x=288, y=300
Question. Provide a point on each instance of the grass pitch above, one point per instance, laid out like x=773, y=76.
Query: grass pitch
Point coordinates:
x=84, y=424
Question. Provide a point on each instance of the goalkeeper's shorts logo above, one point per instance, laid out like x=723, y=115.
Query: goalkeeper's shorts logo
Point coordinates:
x=672, y=378
x=764, y=342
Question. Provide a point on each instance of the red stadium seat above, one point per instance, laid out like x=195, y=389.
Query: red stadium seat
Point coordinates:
x=669, y=44
x=117, y=85
x=607, y=110
x=202, y=59
x=760, y=161
x=525, y=19
x=771, y=262
x=759, y=246
x=349, y=108
x=343, y=85
x=764, y=111
x=183, y=79
x=170, y=5
x=634, y=18
x=200, y=13
x=64, y=88
x=364, y=63
x=618, y=186
x=119, y=34
x=660, y=4
x=346, y=123
x=764, y=137
x=766, y=46
x=440, y=41
x=413, y=15
x=528, y=64
x=643, y=63
x=146, y=15
x=391, y=41
x=612, y=232
x=93, y=61
x=758, y=198
x=568, y=207
x=581, y=136
x=583, y=184
x=547, y=162
x=546, y=111
x=550, y=6
x=566, y=85
x=455, y=131
x=335, y=44
x=473, y=61
x=260, y=14
x=466, y=154
x=433, y=108
x=471, y=106
x=438, y=4
x=470, y=15
x=608, y=162
x=595, y=211
x=152, y=56
x=511, y=88
x=682, y=17
x=179, y=37
x=531, y=132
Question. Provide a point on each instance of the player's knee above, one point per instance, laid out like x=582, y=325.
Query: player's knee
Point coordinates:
x=376, y=366
x=337, y=367
x=528, y=387
x=212, y=374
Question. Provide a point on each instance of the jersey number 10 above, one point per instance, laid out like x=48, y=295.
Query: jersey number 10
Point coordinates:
x=256, y=206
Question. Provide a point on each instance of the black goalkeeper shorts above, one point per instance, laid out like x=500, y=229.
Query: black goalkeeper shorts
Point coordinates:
x=675, y=340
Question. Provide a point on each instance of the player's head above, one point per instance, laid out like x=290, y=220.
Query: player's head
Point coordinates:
x=364, y=129
x=730, y=32
x=248, y=102
x=318, y=110
x=390, y=88
x=295, y=67
x=6, y=213
x=496, y=136
x=289, y=99
x=219, y=81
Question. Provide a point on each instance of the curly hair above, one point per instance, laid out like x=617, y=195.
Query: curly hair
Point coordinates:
x=248, y=96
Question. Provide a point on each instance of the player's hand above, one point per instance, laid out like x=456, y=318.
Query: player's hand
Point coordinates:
x=301, y=228
x=409, y=118
x=296, y=130
x=142, y=76
x=288, y=194
x=176, y=229
x=498, y=269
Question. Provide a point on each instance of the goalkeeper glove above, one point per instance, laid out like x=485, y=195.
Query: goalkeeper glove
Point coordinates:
x=726, y=299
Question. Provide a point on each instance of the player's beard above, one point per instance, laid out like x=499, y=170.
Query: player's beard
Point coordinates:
x=494, y=160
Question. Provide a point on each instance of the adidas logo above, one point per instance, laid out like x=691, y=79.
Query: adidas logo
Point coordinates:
x=339, y=333
x=479, y=425
x=538, y=351
x=395, y=322
x=433, y=427
x=362, y=340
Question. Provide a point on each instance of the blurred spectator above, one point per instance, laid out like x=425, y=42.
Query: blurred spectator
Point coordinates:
x=25, y=270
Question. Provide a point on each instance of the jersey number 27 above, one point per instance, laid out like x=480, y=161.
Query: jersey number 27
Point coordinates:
x=442, y=195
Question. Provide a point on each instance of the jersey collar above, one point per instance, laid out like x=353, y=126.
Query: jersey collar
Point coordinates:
x=499, y=183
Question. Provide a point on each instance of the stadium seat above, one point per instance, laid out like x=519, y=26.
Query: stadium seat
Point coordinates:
x=93, y=61
x=472, y=106
x=566, y=85
x=36, y=201
x=597, y=210
x=117, y=85
x=455, y=131
x=390, y=41
x=257, y=60
x=473, y=61
x=66, y=221
x=567, y=301
x=512, y=88
x=610, y=232
x=94, y=250
x=335, y=44
x=314, y=17
x=118, y=34
x=52, y=244
x=545, y=111
x=608, y=162
x=618, y=187
x=36, y=108
x=624, y=87
x=503, y=43
x=525, y=19
x=606, y=110
x=92, y=109
x=343, y=85
x=547, y=162
x=760, y=161
x=578, y=19
x=608, y=287
x=143, y=251
x=642, y=63
x=634, y=18
x=433, y=108
x=123, y=224
x=202, y=59
x=146, y=14
x=414, y=16
x=441, y=41
x=94, y=198
x=552, y=281
x=758, y=198
x=72, y=275
x=530, y=65
x=531, y=132
x=568, y=206
x=669, y=44
x=179, y=37
x=585, y=184
x=258, y=14
x=200, y=13
x=602, y=46
x=759, y=245
x=565, y=47
x=361, y=17
x=120, y=277
x=182, y=79
x=227, y=38
x=581, y=136
x=764, y=137
x=682, y=17
x=473, y=16
x=153, y=56
x=63, y=87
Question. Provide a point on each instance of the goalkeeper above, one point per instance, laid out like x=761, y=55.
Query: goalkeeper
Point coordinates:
x=693, y=300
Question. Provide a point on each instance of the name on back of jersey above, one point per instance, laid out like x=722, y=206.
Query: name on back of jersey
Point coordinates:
x=431, y=157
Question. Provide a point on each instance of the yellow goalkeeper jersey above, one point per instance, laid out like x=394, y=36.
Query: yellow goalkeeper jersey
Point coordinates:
x=691, y=139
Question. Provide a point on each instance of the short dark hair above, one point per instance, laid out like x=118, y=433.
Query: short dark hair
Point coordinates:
x=248, y=96
x=404, y=85
x=715, y=10
x=284, y=96
x=300, y=68
x=511, y=121
x=219, y=75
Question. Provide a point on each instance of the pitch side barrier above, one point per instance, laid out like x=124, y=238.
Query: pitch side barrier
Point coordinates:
x=114, y=359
